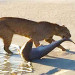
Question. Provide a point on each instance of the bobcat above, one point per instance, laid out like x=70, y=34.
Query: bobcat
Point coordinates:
x=36, y=30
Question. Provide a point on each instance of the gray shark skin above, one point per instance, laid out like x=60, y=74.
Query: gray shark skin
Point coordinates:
x=29, y=53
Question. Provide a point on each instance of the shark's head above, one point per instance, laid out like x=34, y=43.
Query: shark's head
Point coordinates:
x=68, y=39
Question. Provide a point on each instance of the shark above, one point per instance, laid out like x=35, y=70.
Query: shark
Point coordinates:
x=29, y=54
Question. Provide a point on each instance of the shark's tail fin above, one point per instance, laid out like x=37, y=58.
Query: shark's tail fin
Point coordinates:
x=26, y=50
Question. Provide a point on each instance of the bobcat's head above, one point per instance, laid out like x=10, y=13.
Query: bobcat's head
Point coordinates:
x=62, y=31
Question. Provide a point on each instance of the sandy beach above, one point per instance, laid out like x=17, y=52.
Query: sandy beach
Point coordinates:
x=57, y=62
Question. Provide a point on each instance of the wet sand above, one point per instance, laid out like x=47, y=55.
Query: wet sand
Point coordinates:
x=57, y=62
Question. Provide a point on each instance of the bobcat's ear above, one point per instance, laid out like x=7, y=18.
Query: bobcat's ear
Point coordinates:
x=63, y=25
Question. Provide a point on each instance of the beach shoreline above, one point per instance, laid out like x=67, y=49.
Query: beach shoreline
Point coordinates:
x=62, y=12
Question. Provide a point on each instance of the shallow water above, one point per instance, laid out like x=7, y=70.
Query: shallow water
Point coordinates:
x=13, y=64
x=63, y=14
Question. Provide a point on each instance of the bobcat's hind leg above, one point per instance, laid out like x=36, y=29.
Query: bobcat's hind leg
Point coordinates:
x=6, y=34
x=7, y=41
x=36, y=43
x=35, y=39
x=49, y=40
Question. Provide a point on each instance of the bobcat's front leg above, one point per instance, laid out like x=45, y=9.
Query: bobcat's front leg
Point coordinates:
x=50, y=40
x=61, y=47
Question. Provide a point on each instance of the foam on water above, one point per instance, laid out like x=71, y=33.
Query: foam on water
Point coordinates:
x=12, y=64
